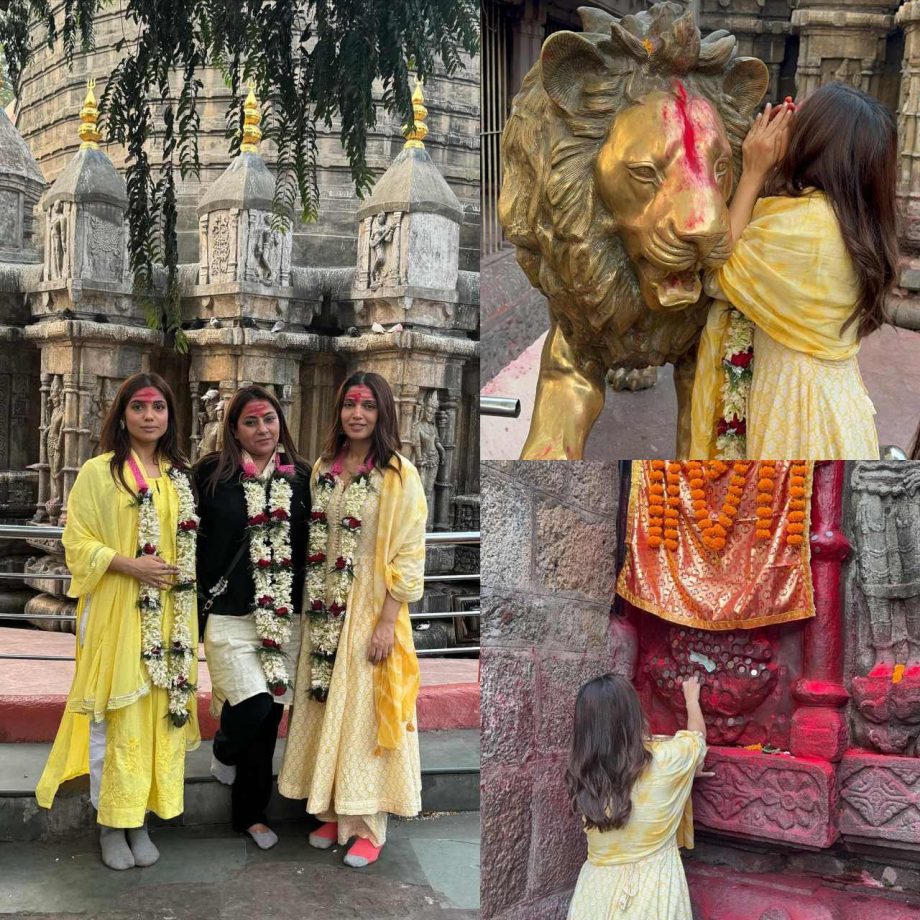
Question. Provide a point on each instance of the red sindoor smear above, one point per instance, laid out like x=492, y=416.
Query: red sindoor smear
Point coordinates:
x=689, y=131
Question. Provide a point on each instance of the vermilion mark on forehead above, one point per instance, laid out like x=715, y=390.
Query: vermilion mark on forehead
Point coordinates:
x=148, y=394
x=360, y=393
x=258, y=408
x=688, y=129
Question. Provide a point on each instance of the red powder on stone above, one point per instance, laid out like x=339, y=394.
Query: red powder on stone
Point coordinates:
x=689, y=129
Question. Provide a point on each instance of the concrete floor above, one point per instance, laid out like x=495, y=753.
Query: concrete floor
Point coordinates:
x=429, y=869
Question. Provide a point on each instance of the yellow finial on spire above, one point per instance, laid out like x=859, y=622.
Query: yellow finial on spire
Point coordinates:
x=89, y=116
x=418, y=134
x=252, y=133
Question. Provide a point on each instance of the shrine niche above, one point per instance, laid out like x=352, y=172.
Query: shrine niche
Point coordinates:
x=730, y=572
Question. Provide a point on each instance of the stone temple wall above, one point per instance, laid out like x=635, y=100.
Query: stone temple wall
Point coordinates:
x=51, y=93
x=549, y=551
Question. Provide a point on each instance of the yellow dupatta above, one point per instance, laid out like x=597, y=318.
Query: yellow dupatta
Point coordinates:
x=399, y=568
x=789, y=273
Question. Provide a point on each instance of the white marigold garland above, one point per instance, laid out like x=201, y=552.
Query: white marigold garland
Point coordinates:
x=737, y=372
x=326, y=621
x=170, y=668
x=268, y=509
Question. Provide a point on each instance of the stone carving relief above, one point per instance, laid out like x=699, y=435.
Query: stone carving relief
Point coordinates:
x=428, y=449
x=736, y=669
x=58, y=241
x=263, y=262
x=105, y=249
x=210, y=422
x=219, y=240
x=383, y=249
x=100, y=401
x=767, y=795
x=887, y=596
x=10, y=220
x=54, y=448
x=880, y=797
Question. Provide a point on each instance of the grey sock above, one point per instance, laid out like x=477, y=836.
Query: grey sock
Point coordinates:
x=264, y=840
x=116, y=853
x=222, y=772
x=145, y=853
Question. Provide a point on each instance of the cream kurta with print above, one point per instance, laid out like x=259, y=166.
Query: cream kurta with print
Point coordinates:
x=144, y=764
x=634, y=872
x=330, y=757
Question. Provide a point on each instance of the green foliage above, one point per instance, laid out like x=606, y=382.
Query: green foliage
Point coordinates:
x=312, y=62
x=6, y=90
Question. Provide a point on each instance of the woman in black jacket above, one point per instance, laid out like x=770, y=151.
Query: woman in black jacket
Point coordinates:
x=254, y=504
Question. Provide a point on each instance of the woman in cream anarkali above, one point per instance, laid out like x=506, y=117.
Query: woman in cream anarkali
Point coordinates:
x=352, y=748
x=810, y=267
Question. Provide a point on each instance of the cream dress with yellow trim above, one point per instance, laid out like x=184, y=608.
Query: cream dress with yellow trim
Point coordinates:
x=144, y=766
x=332, y=757
x=634, y=872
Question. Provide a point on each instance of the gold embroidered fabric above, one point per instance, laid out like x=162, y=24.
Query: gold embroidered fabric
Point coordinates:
x=748, y=583
x=634, y=872
x=332, y=757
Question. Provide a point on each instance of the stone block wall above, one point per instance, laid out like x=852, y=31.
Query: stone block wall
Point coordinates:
x=548, y=570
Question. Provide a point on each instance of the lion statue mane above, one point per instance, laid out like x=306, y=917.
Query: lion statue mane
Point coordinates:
x=567, y=238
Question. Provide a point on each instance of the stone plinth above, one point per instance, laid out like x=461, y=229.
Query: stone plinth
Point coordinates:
x=768, y=796
x=880, y=798
x=837, y=42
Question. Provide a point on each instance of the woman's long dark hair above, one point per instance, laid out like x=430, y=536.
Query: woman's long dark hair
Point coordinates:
x=385, y=442
x=915, y=450
x=114, y=436
x=845, y=143
x=608, y=751
x=229, y=457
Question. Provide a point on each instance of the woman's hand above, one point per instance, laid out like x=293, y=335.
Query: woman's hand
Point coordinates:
x=153, y=571
x=691, y=687
x=382, y=641
x=767, y=141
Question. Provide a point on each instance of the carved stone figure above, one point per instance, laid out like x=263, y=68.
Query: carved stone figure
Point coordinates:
x=429, y=451
x=383, y=228
x=887, y=540
x=219, y=238
x=618, y=157
x=266, y=251
x=54, y=448
x=211, y=421
x=59, y=240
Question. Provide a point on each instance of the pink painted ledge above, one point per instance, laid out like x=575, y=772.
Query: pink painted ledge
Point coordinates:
x=768, y=797
x=33, y=693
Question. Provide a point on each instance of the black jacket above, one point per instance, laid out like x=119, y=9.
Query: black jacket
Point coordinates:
x=223, y=530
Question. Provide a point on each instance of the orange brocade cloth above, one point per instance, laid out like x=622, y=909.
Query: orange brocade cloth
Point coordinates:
x=762, y=573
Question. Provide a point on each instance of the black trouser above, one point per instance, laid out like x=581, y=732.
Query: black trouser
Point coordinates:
x=246, y=739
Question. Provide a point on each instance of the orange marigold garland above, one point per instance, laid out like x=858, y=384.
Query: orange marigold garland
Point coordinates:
x=795, y=529
x=672, y=511
x=656, y=504
x=766, y=487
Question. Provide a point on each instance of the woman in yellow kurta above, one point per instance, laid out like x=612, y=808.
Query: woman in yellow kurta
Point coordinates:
x=810, y=267
x=352, y=749
x=633, y=794
x=130, y=547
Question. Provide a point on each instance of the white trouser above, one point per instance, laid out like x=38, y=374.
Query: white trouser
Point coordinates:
x=96, y=759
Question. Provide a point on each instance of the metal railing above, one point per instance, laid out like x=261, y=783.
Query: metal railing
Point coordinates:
x=46, y=531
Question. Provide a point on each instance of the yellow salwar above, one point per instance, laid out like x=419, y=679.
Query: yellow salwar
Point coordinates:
x=355, y=757
x=789, y=273
x=634, y=872
x=144, y=763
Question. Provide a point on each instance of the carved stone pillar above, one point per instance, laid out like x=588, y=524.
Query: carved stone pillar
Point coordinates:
x=42, y=465
x=838, y=42
x=906, y=311
x=819, y=727
x=443, y=486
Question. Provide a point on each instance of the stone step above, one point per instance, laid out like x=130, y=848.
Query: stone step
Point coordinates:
x=450, y=783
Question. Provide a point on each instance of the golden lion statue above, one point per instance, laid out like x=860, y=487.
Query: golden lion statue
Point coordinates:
x=619, y=156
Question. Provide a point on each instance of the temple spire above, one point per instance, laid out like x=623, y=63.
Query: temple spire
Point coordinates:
x=252, y=133
x=417, y=135
x=89, y=117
